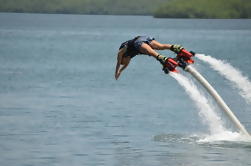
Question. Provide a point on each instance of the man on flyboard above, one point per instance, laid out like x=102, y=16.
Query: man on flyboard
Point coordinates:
x=147, y=45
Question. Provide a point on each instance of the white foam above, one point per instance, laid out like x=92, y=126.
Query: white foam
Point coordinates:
x=229, y=72
x=224, y=136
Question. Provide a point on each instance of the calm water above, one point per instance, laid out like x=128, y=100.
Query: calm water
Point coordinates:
x=60, y=104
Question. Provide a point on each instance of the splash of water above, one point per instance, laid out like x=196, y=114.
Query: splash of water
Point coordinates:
x=229, y=72
x=207, y=113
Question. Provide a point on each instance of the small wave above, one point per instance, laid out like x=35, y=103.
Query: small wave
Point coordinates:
x=175, y=138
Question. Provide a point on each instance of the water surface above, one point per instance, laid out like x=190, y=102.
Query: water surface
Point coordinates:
x=60, y=104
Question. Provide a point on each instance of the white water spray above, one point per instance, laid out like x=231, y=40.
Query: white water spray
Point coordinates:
x=217, y=130
x=229, y=72
x=206, y=112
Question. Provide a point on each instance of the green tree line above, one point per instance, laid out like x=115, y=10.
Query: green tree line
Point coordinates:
x=205, y=9
x=157, y=8
x=123, y=7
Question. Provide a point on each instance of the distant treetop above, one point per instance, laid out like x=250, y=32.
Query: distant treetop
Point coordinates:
x=205, y=9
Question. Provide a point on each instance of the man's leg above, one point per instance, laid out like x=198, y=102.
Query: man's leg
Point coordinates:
x=146, y=49
x=158, y=46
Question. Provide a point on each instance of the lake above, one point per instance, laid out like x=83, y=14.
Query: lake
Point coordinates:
x=60, y=104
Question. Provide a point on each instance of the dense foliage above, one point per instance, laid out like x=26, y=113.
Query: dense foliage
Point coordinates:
x=158, y=8
x=205, y=9
x=139, y=7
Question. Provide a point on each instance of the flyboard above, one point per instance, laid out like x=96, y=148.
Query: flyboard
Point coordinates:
x=184, y=60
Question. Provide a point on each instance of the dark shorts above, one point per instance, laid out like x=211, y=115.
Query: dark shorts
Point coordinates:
x=141, y=40
x=134, y=48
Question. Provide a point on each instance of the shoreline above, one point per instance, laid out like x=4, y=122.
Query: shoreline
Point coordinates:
x=187, y=18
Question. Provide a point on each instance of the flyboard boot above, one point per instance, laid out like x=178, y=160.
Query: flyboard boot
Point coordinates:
x=183, y=57
x=169, y=64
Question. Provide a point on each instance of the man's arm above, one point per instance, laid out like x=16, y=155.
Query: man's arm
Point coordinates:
x=119, y=59
x=124, y=66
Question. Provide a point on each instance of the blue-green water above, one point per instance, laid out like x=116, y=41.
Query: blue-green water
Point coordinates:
x=60, y=104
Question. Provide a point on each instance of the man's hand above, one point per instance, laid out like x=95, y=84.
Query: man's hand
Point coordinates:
x=117, y=75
